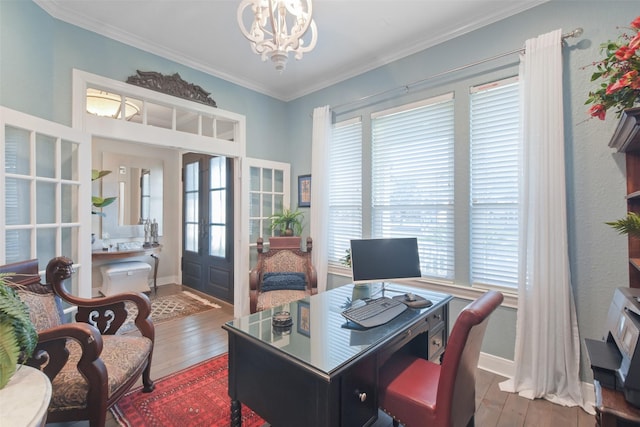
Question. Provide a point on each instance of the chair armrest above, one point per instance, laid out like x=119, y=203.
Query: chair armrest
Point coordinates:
x=253, y=301
x=107, y=314
x=313, y=278
x=254, y=278
x=51, y=353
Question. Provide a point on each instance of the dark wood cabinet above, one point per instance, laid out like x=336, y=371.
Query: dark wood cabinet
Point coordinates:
x=626, y=139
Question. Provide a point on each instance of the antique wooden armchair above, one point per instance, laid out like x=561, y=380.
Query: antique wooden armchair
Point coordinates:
x=282, y=274
x=90, y=366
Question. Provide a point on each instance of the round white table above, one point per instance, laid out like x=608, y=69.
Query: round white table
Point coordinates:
x=25, y=399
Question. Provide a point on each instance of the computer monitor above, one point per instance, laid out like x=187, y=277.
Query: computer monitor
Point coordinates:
x=384, y=260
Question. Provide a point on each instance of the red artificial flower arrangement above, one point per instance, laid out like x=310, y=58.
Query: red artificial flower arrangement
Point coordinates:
x=619, y=71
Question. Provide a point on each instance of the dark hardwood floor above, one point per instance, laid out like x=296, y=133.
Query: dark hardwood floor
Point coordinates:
x=183, y=342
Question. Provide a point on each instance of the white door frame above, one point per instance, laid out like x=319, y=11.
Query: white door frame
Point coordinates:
x=121, y=129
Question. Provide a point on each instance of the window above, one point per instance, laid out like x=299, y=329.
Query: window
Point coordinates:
x=41, y=191
x=494, y=145
x=43, y=200
x=145, y=195
x=218, y=184
x=191, y=207
x=345, y=184
x=412, y=180
x=439, y=171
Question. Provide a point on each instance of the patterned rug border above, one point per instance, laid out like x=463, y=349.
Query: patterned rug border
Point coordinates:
x=124, y=421
x=198, y=304
x=200, y=299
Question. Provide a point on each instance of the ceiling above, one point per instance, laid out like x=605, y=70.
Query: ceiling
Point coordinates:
x=354, y=36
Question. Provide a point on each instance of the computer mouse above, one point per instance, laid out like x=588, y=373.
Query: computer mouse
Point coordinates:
x=409, y=297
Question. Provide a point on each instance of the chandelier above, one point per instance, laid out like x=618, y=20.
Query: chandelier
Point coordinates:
x=278, y=27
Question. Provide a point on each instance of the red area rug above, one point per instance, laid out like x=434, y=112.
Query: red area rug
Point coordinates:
x=195, y=396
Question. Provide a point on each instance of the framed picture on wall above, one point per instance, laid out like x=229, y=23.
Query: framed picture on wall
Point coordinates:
x=304, y=191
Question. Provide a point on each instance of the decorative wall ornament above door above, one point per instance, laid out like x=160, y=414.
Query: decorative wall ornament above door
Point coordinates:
x=171, y=85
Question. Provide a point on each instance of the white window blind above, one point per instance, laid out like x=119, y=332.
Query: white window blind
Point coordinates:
x=412, y=180
x=494, y=133
x=345, y=188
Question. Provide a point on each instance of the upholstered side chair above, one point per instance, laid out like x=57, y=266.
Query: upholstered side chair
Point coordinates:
x=89, y=364
x=282, y=274
x=417, y=392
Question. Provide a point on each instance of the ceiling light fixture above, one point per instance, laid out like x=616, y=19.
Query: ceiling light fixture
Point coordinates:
x=106, y=104
x=272, y=20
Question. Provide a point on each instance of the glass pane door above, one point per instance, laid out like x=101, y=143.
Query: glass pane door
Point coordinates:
x=45, y=206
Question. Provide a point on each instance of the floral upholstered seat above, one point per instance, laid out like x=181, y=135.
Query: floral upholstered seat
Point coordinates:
x=90, y=366
x=282, y=274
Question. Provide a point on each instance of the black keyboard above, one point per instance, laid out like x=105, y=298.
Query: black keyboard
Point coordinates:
x=374, y=312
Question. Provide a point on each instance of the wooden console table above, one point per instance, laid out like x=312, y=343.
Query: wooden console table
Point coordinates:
x=130, y=253
x=611, y=408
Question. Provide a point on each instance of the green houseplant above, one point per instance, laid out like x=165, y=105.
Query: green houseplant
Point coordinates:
x=287, y=222
x=100, y=202
x=18, y=336
x=346, y=259
x=628, y=225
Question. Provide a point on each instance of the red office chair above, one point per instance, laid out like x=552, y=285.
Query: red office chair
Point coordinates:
x=416, y=392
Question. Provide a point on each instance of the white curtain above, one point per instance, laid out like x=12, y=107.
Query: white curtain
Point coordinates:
x=547, y=352
x=318, y=229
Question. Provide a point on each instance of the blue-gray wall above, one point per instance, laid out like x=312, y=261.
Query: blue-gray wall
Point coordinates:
x=595, y=175
x=38, y=52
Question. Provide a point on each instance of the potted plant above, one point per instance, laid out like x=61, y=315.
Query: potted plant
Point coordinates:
x=618, y=73
x=18, y=336
x=346, y=260
x=628, y=225
x=100, y=202
x=287, y=222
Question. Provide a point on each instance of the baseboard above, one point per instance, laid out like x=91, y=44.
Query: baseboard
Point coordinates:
x=166, y=280
x=497, y=365
x=506, y=368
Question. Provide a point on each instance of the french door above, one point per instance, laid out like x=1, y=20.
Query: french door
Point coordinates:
x=45, y=194
x=207, y=254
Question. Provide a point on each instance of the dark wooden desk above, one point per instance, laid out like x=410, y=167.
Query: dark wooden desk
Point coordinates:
x=612, y=410
x=324, y=375
x=131, y=253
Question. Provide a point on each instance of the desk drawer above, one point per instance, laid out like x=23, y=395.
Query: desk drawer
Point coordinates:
x=359, y=394
x=415, y=337
x=436, y=343
x=435, y=319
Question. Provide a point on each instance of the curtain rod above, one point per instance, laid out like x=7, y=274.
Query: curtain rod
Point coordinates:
x=575, y=33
